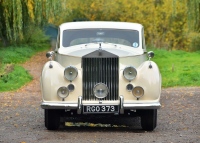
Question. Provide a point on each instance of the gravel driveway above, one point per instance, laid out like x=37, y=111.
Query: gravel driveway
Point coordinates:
x=22, y=119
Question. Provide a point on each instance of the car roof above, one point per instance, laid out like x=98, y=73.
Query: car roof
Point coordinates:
x=100, y=24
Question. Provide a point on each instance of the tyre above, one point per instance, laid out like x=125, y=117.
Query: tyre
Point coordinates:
x=149, y=119
x=52, y=119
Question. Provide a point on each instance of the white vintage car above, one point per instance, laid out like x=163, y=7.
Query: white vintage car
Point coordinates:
x=100, y=68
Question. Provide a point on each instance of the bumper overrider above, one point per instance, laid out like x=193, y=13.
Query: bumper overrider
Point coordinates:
x=79, y=106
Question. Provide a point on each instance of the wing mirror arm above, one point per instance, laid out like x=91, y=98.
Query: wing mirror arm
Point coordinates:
x=150, y=55
x=49, y=55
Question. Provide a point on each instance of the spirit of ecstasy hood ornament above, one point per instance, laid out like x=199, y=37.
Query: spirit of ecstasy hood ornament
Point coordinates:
x=100, y=49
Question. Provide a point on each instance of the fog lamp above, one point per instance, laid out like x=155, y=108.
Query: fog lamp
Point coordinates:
x=63, y=92
x=100, y=90
x=70, y=87
x=70, y=73
x=138, y=92
x=130, y=73
x=129, y=87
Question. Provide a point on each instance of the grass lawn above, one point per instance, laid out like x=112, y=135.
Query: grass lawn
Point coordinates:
x=178, y=68
x=12, y=75
x=15, y=79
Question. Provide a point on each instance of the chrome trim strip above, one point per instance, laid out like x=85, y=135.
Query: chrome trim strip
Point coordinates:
x=155, y=105
x=79, y=105
x=121, y=110
x=122, y=105
x=48, y=105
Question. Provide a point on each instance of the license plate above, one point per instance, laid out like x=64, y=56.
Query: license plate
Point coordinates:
x=100, y=108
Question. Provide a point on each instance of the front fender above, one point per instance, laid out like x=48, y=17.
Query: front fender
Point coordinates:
x=148, y=78
x=51, y=80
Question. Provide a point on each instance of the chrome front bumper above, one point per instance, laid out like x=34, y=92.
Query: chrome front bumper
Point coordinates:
x=122, y=106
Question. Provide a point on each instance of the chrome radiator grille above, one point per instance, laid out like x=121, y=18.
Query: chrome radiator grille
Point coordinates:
x=100, y=70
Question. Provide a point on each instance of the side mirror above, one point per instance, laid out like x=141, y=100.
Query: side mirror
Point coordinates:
x=49, y=54
x=150, y=54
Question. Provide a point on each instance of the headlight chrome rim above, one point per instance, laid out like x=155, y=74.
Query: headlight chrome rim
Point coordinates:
x=138, y=92
x=130, y=73
x=99, y=89
x=63, y=92
x=70, y=73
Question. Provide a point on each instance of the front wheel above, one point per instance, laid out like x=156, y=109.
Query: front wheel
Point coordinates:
x=149, y=119
x=52, y=119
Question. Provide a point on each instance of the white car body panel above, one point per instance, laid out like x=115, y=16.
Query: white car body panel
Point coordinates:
x=53, y=78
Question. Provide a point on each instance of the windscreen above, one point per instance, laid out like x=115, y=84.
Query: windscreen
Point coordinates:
x=115, y=36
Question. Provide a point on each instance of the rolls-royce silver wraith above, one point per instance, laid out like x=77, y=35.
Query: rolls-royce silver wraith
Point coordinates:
x=100, y=68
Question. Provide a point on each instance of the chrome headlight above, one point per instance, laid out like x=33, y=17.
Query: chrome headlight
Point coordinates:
x=130, y=73
x=63, y=92
x=100, y=90
x=70, y=73
x=138, y=92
